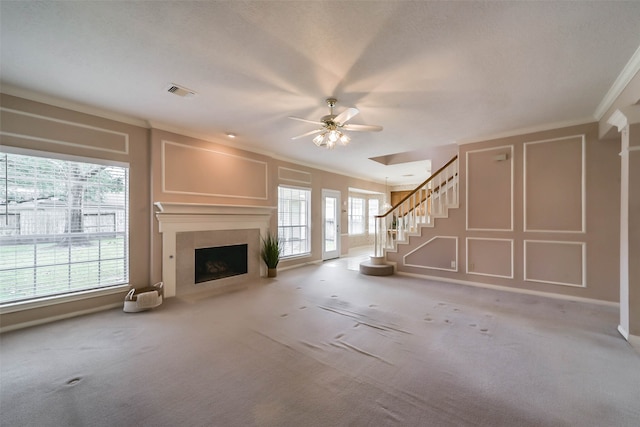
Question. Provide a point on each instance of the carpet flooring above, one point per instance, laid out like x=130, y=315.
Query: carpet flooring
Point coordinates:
x=322, y=345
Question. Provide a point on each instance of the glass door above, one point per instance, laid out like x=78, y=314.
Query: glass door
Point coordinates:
x=330, y=224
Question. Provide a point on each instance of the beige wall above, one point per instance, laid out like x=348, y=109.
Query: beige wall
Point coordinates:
x=208, y=172
x=188, y=170
x=547, y=212
x=164, y=167
x=38, y=126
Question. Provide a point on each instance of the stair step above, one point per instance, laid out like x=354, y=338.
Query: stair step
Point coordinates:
x=368, y=268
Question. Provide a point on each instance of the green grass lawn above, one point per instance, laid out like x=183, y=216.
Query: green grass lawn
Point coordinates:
x=41, y=269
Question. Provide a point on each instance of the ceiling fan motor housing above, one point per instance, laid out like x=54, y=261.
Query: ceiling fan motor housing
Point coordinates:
x=328, y=119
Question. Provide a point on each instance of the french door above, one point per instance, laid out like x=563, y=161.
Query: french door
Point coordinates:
x=330, y=224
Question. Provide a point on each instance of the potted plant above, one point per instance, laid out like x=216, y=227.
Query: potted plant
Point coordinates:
x=270, y=253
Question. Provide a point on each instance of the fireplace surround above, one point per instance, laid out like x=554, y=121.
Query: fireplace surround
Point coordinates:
x=219, y=262
x=186, y=226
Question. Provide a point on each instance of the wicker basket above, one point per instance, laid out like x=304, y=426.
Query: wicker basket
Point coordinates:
x=143, y=299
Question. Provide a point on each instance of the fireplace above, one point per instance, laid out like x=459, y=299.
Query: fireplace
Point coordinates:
x=219, y=262
x=186, y=227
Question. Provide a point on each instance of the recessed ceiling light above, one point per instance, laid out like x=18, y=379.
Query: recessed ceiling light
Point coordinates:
x=231, y=135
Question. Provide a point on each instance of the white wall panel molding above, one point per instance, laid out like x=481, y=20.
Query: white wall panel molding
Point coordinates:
x=294, y=175
x=485, y=205
x=492, y=249
x=444, y=259
x=35, y=127
x=555, y=262
x=549, y=196
x=197, y=171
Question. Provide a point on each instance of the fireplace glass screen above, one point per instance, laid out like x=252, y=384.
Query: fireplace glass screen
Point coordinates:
x=220, y=262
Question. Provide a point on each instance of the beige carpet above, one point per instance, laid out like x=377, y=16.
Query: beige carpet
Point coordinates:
x=324, y=346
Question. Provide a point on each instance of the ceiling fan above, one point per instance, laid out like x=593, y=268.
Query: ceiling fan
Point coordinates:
x=333, y=126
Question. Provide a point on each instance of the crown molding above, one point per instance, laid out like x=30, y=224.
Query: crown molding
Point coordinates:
x=69, y=105
x=627, y=73
x=528, y=130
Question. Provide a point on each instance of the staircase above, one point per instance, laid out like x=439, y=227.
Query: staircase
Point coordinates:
x=430, y=200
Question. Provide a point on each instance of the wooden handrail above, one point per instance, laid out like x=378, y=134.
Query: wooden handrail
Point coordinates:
x=453, y=159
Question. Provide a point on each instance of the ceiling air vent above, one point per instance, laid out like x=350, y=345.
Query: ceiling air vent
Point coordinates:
x=180, y=91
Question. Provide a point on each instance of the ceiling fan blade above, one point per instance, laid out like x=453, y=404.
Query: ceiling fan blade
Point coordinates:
x=306, y=121
x=362, y=128
x=308, y=133
x=346, y=115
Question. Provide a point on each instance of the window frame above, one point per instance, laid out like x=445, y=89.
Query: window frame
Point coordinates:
x=371, y=218
x=362, y=215
x=307, y=226
x=99, y=289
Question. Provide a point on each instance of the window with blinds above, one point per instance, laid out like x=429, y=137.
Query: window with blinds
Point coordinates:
x=356, y=215
x=63, y=226
x=294, y=228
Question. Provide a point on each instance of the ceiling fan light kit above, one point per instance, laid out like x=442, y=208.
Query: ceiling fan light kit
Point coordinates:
x=332, y=127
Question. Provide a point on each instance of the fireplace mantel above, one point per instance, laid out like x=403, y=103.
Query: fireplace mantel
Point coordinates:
x=176, y=218
x=164, y=208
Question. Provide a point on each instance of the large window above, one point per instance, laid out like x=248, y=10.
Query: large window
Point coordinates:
x=294, y=227
x=63, y=226
x=356, y=215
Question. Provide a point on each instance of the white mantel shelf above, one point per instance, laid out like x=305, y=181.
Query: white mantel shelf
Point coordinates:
x=166, y=208
x=187, y=217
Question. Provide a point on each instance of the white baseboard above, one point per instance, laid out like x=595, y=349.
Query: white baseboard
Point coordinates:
x=509, y=289
x=623, y=332
x=634, y=340
x=59, y=317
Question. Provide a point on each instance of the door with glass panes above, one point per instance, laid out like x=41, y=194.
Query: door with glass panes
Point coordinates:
x=330, y=224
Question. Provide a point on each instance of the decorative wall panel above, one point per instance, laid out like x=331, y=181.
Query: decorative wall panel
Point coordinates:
x=490, y=257
x=560, y=263
x=294, y=175
x=490, y=189
x=439, y=253
x=33, y=127
x=198, y=171
x=554, y=185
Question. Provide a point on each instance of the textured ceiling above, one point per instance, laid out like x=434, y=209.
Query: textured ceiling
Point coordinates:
x=431, y=73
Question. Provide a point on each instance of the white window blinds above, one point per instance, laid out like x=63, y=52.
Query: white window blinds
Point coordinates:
x=63, y=226
x=294, y=227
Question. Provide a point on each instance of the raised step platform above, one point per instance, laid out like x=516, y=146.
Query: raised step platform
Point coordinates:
x=376, y=266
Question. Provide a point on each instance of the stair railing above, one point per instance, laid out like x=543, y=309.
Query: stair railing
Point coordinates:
x=429, y=200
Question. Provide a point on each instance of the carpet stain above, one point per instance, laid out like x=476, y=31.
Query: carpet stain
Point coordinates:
x=284, y=315
x=447, y=321
x=428, y=319
x=473, y=325
x=484, y=330
x=74, y=381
